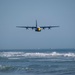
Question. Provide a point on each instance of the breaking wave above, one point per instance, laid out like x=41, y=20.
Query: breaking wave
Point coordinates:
x=36, y=54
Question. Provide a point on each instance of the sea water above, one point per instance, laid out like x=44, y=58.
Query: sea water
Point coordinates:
x=37, y=62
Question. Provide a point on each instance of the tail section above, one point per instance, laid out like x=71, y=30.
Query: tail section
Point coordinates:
x=36, y=23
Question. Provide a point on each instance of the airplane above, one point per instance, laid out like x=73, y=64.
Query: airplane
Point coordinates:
x=37, y=28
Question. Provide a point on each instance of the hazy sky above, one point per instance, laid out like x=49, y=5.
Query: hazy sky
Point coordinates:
x=47, y=12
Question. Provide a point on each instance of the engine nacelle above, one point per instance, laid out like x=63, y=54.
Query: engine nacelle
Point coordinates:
x=48, y=27
x=26, y=27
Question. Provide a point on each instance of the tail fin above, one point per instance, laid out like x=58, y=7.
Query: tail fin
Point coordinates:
x=36, y=23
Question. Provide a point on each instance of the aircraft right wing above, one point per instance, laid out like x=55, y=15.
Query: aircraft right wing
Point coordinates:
x=48, y=27
x=27, y=27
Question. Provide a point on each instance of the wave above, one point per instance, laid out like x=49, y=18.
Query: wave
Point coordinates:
x=30, y=68
x=6, y=68
x=35, y=69
x=36, y=54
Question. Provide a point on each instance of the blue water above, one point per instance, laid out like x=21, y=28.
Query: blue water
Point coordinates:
x=37, y=62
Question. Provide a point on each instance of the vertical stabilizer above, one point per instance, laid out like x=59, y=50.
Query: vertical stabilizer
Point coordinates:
x=36, y=23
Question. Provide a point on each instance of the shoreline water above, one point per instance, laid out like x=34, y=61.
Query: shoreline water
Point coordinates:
x=34, y=62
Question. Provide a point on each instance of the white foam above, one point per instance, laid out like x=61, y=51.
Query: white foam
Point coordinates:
x=70, y=54
x=37, y=54
x=10, y=54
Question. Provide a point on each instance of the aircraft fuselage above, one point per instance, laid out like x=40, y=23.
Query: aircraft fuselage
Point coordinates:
x=38, y=29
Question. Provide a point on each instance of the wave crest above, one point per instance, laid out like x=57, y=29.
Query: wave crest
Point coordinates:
x=36, y=54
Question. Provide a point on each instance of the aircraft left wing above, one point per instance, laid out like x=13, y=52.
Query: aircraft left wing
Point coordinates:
x=32, y=27
x=48, y=27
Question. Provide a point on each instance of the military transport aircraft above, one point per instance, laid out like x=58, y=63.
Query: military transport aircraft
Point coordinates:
x=37, y=28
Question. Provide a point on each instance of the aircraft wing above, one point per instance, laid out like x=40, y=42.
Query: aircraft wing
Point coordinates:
x=27, y=27
x=48, y=27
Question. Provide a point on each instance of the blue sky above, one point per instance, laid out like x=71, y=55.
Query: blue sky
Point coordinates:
x=47, y=12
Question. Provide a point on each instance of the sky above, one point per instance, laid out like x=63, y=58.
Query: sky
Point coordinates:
x=46, y=12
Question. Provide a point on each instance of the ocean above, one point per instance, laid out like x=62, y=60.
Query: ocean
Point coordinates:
x=37, y=62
